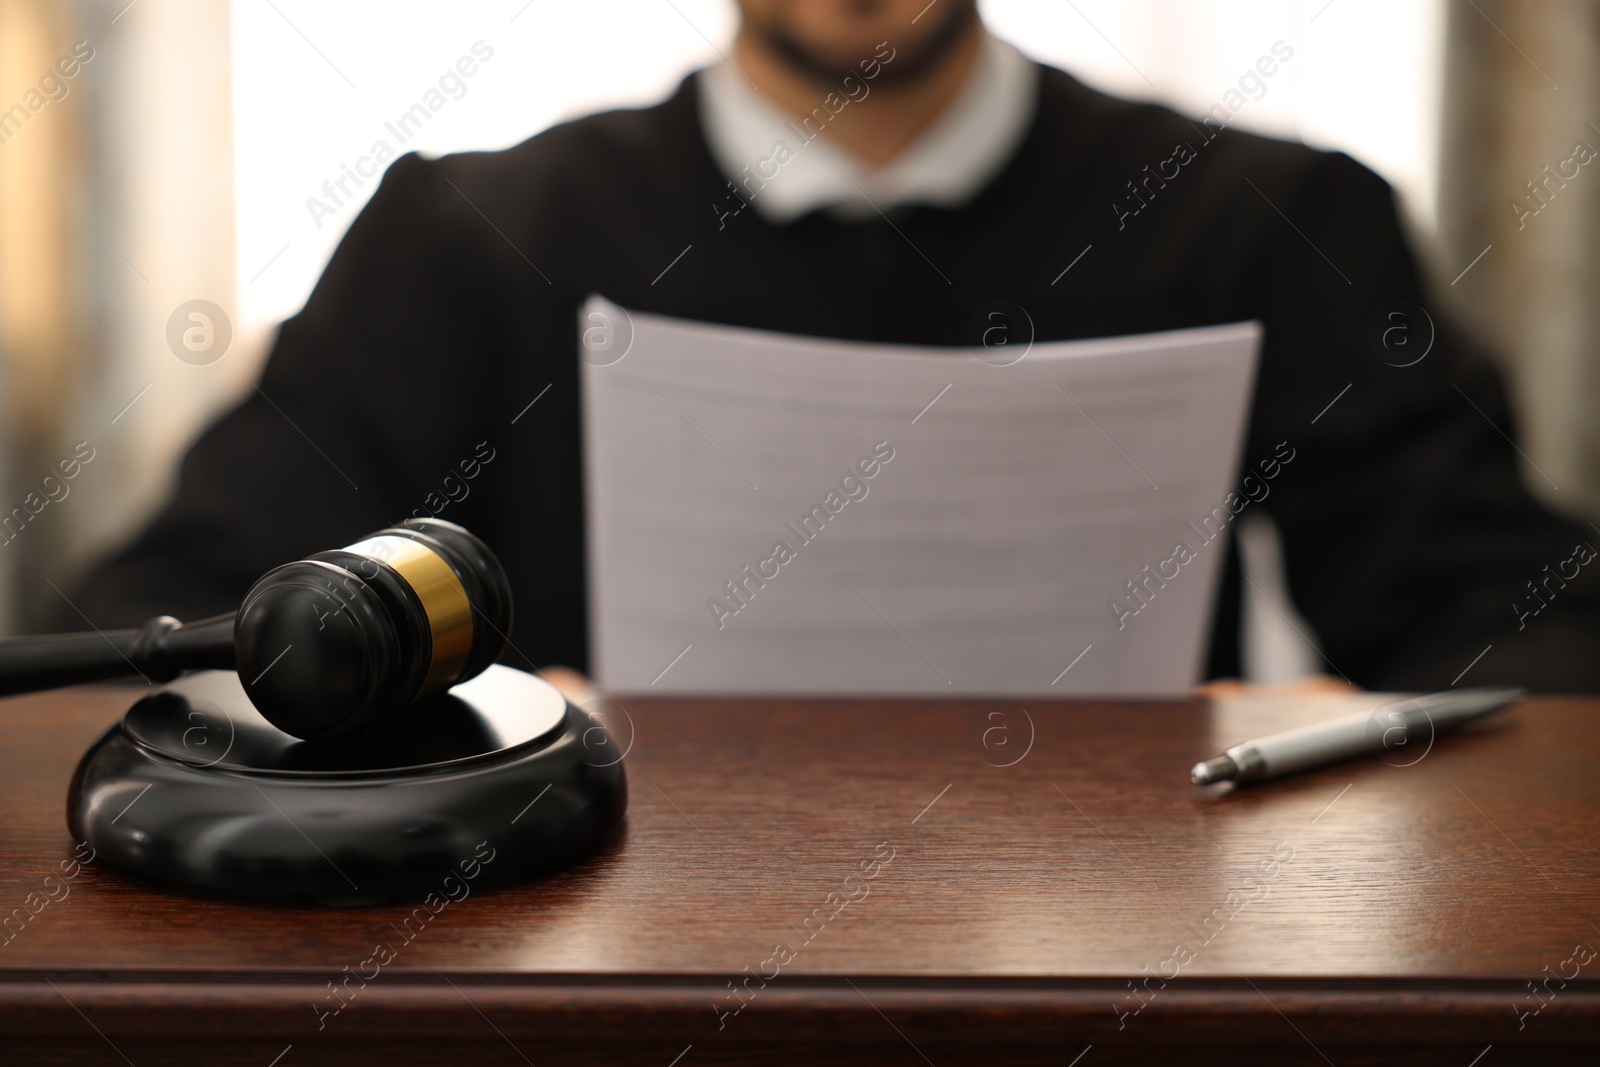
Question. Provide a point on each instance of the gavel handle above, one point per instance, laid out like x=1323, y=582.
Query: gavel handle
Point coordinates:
x=159, y=650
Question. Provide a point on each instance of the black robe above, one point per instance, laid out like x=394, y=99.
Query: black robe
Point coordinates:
x=451, y=304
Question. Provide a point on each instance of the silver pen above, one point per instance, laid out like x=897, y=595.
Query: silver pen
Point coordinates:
x=1385, y=728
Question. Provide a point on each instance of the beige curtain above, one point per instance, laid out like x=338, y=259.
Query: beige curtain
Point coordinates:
x=41, y=154
x=162, y=185
x=1519, y=186
x=116, y=212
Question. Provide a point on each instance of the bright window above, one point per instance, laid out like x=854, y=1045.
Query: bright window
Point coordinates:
x=318, y=87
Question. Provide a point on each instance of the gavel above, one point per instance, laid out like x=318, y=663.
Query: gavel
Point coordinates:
x=324, y=646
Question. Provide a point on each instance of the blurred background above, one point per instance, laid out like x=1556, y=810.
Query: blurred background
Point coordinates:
x=215, y=151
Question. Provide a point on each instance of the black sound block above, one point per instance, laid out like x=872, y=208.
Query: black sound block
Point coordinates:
x=500, y=778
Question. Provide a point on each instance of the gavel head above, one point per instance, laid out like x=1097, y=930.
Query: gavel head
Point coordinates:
x=335, y=642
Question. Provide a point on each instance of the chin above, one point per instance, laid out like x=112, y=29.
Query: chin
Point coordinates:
x=828, y=38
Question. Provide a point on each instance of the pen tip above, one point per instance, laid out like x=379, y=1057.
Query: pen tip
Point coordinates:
x=1219, y=769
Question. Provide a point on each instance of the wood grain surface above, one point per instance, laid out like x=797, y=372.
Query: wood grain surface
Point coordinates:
x=949, y=882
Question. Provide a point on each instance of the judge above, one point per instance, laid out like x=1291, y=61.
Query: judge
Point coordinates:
x=880, y=170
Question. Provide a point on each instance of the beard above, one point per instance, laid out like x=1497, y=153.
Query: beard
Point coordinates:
x=912, y=62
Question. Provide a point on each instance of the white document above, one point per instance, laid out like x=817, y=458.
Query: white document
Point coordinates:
x=770, y=514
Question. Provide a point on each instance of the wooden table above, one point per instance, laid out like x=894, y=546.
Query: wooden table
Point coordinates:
x=1083, y=905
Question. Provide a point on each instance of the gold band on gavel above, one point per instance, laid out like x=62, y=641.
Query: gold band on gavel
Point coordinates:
x=444, y=601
